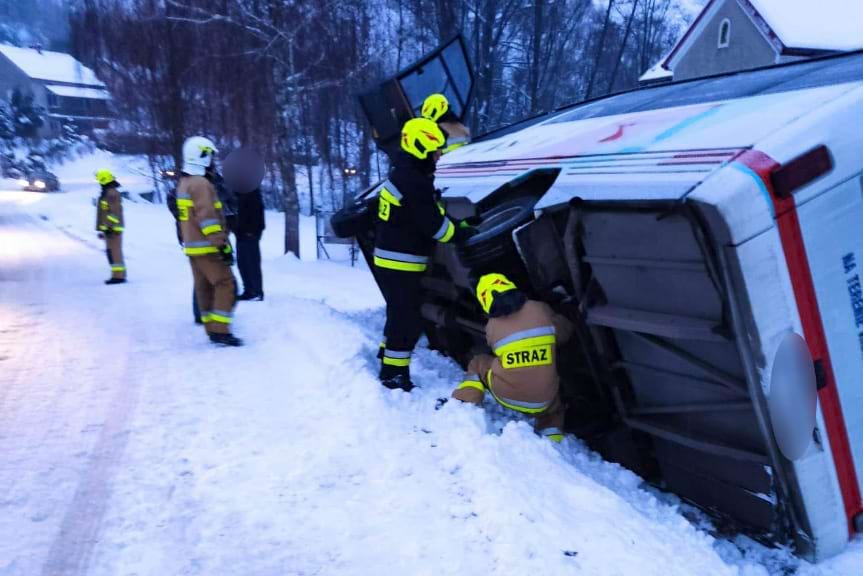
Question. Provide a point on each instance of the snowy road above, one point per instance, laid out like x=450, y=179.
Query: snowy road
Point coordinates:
x=67, y=391
x=130, y=446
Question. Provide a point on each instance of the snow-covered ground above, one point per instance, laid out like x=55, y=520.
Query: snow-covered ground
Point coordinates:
x=130, y=446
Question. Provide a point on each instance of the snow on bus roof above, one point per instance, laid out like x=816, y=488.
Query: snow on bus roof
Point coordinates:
x=821, y=25
x=51, y=66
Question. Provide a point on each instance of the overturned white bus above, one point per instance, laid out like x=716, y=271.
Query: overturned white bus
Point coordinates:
x=705, y=237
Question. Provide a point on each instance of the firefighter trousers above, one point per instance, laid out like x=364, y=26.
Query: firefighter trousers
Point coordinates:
x=403, y=294
x=548, y=422
x=215, y=289
x=114, y=251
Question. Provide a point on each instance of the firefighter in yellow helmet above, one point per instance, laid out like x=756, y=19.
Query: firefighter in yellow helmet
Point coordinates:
x=437, y=109
x=205, y=241
x=409, y=224
x=522, y=374
x=109, y=224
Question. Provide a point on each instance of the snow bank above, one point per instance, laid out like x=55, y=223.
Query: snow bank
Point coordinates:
x=79, y=175
x=333, y=284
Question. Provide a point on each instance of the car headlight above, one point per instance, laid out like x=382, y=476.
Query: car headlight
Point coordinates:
x=40, y=184
x=23, y=182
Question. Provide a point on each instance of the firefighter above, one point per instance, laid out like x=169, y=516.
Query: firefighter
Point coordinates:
x=522, y=374
x=109, y=224
x=409, y=223
x=205, y=241
x=229, y=209
x=436, y=108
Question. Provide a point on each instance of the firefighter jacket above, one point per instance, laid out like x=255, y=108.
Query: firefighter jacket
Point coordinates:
x=522, y=374
x=409, y=221
x=109, y=210
x=199, y=212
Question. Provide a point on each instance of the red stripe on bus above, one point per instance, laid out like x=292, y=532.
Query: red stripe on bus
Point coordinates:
x=813, y=331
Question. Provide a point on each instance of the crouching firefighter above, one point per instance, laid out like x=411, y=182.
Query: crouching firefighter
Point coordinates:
x=522, y=374
x=409, y=223
x=205, y=241
x=109, y=223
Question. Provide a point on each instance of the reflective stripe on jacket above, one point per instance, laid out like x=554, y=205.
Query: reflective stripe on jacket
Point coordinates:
x=109, y=210
x=409, y=222
x=199, y=212
x=522, y=374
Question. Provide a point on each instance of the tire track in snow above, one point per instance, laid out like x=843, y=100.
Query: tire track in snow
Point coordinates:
x=73, y=546
x=53, y=394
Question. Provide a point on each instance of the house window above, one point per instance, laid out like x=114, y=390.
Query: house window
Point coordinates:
x=724, y=33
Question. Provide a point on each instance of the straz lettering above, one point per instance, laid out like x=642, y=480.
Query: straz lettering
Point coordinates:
x=183, y=213
x=536, y=356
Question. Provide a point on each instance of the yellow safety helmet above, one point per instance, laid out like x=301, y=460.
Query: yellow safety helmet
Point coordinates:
x=104, y=176
x=489, y=286
x=421, y=136
x=434, y=107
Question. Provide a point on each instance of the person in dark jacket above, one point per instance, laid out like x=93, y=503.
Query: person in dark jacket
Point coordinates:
x=409, y=224
x=250, y=226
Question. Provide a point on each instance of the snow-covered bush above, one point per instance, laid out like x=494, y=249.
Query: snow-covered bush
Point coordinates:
x=27, y=117
x=21, y=147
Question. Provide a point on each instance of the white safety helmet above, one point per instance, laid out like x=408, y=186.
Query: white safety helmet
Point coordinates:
x=198, y=155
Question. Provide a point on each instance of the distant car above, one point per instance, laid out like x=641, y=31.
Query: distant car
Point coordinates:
x=168, y=174
x=40, y=181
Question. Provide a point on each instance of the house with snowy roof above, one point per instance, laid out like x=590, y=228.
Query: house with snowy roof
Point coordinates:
x=733, y=35
x=59, y=83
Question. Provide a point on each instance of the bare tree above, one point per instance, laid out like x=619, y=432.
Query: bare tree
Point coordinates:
x=280, y=75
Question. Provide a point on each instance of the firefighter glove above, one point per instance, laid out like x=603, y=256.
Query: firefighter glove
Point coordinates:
x=226, y=253
x=464, y=232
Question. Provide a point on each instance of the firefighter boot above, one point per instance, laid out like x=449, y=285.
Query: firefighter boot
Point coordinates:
x=225, y=339
x=396, y=378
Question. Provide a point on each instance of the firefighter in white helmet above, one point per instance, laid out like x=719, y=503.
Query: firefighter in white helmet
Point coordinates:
x=205, y=241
